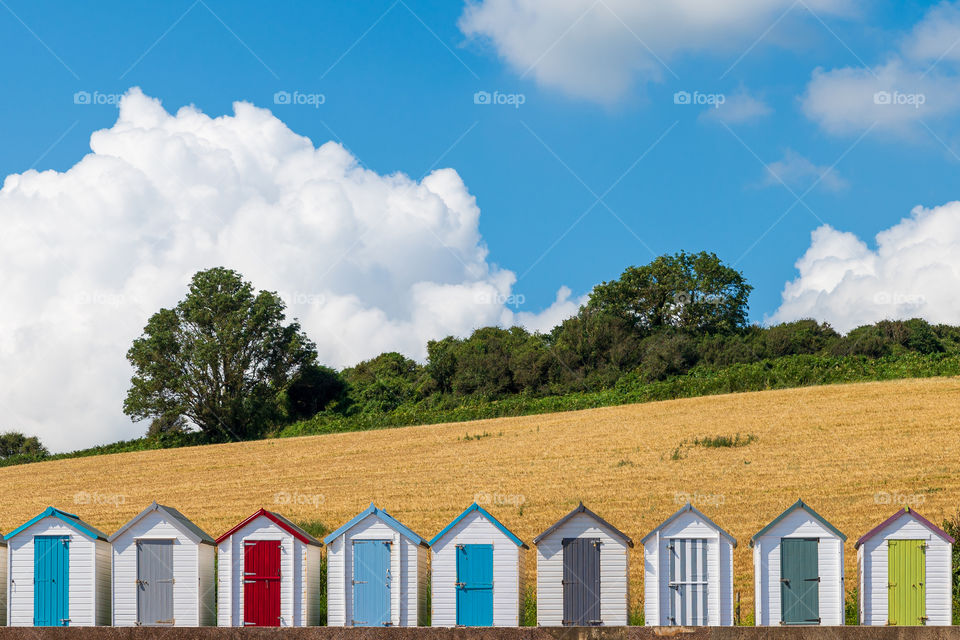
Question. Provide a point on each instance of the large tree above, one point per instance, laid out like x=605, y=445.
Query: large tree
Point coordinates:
x=14, y=443
x=221, y=359
x=687, y=291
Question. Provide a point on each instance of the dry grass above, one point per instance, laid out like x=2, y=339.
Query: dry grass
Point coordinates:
x=835, y=447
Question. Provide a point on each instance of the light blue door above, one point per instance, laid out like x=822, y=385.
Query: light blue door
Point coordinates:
x=475, y=585
x=51, y=581
x=371, y=583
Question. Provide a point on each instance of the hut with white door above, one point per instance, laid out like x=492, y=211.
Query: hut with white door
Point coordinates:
x=798, y=570
x=477, y=566
x=688, y=572
x=59, y=570
x=376, y=573
x=268, y=574
x=583, y=572
x=163, y=571
x=904, y=567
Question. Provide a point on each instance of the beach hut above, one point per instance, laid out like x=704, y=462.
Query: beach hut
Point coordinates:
x=162, y=571
x=798, y=570
x=3, y=582
x=376, y=573
x=268, y=574
x=477, y=568
x=582, y=572
x=688, y=572
x=59, y=568
x=904, y=566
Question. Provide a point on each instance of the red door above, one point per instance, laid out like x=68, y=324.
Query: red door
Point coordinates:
x=261, y=583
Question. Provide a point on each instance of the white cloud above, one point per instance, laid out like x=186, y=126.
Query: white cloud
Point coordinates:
x=367, y=262
x=737, y=108
x=598, y=49
x=799, y=172
x=913, y=272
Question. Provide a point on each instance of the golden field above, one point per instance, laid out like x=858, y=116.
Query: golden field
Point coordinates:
x=837, y=447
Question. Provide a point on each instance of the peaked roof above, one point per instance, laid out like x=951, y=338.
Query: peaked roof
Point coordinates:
x=277, y=519
x=383, y=515
x=689, y=508
x=905, y=511
x=52, y=512
x=475, y=507
x=799, y=504
x=582, y=509
x=192, y=531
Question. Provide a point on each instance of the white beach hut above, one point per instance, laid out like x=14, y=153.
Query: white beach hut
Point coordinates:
x=688, y=572
x=798, y=570
x=904, y=565
x=376, y=573
x=59, y=569
x=477, y=569
x=162, y=571
x=582, y=572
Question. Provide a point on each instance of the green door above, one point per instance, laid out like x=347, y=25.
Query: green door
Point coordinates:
x=906, y=575
x=799, y=581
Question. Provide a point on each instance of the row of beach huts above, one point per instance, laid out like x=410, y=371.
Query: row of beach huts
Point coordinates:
x=161, y=569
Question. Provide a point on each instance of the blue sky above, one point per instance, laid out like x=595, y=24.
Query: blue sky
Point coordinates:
x=598, y=168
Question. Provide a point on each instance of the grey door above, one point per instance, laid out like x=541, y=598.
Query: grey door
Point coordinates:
x=799, y=581
x=155, y=582
x=688, y=581
x=581, y=582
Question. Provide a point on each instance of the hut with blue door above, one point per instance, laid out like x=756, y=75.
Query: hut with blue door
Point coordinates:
x=59, y=572
x=688, y=572
x=376, y=573
x=477, y=568
x=798, y=570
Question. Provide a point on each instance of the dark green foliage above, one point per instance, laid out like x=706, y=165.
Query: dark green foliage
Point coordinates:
x=528, y=612
x=16, y=446
x=851, y=608
x=383, y=383
x=636, y=618
x=724, y=441
x=312, y=390
x=952, y=526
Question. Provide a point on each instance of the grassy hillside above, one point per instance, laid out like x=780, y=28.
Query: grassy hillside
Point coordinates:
x=837, y=447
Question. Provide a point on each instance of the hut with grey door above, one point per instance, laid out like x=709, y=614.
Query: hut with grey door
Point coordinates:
x=582, y=572
x=905, y=574
x=376, y=573
x=798, y=570
x=163, y=571
x=688, y=572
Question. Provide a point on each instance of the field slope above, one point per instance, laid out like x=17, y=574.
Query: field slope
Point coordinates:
x=837, y=447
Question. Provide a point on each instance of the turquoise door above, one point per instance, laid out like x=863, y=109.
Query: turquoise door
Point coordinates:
x=371, y=583
x=475, y=585
x=51, y=581
x=799, y=581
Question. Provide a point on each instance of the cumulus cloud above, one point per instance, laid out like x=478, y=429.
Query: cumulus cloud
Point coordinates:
x=913, y=272
x=738, y=108
x=597, y=50
x=367, y=262
x=797, y=171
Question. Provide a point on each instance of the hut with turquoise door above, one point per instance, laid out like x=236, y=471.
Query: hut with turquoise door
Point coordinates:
x=688, y=572
x=376, y=573
x=477, y=568
x=163, y=571
x=905, y=575
x=798, y=570
x=59, y=572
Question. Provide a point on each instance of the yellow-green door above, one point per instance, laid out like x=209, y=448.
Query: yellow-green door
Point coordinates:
x=906, y=575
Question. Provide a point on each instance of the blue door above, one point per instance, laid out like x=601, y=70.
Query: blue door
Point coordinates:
x=51, y=581
x=371, y=583
x=475, y=585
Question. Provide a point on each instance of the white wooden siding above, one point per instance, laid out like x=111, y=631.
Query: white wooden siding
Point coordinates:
x=656, y=565
x=476, y=529
x=3, y=586
x=798, y=524
x=614, y=571
x=872, y=562
x=86, y=586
